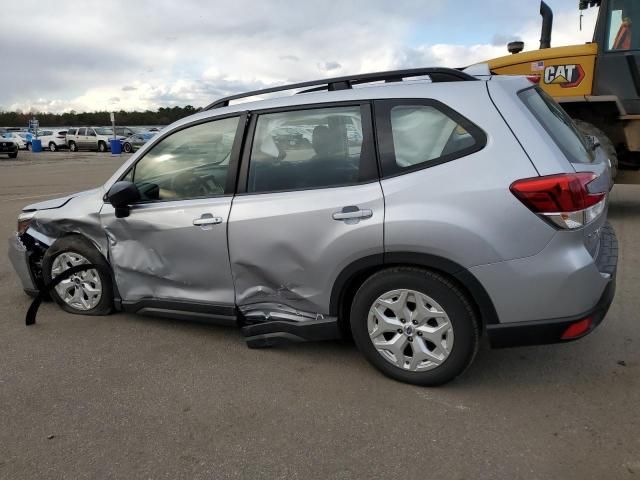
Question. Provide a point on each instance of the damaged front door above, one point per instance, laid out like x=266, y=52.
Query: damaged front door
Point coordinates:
x=170, y=254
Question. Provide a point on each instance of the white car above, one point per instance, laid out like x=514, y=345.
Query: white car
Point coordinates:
x=53, y=140
x=17, y=139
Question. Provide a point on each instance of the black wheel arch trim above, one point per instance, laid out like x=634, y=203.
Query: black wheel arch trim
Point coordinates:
x=370, y=263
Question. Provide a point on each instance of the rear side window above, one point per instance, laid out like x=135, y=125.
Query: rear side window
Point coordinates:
x=316, y=148
x=415, y=134
x=71, y=131
x=558, y=125
x=82, y=131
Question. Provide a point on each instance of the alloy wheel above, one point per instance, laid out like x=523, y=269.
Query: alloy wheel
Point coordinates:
x=82, y=291
x=410, y=330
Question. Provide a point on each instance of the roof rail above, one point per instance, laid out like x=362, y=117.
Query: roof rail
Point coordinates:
x=436, y=74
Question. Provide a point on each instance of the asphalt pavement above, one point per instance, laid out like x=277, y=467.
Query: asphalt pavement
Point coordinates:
x=126, y=396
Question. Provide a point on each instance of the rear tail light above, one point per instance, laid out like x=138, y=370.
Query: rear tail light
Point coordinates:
x=566, y=200
x=534, y=78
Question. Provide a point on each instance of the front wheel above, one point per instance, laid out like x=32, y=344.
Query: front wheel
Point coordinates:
x=87, y=293
x=415, y=326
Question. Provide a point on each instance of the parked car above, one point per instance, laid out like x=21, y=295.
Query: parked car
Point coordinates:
x=26, y=138
x=90, y=138
x=9, y=147
x=134, y=142
x=125, y=131
x=15, y=136
x=53, y=140
x=471, y=206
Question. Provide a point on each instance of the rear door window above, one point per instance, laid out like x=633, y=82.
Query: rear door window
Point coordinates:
x=312, y=148
x=558, y=125
x=416, y=134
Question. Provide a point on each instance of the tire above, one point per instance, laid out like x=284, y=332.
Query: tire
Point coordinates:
x=29, y=146
x=459, y=322
x=73, y=147
x=13, y=155
x=102, y=147
x=607, y=145
x=53, y=147
x=74, y=250
x=127, y=147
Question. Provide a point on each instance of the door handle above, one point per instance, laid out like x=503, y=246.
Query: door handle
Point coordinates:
x=352, y=214
x=207, y=219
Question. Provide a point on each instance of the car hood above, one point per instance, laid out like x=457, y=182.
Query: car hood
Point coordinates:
x=59, y=202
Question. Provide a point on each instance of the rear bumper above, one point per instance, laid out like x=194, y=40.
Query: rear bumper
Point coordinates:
x=550, y=331
x=19, y=258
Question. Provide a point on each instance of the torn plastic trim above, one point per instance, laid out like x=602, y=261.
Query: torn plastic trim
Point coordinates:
x=267, y=324
x=270, y=311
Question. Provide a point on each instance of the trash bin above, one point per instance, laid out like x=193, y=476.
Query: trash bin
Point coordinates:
x=36, y=145
x=116, y=147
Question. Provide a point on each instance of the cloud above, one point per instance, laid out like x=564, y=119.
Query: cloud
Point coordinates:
x=158, y=54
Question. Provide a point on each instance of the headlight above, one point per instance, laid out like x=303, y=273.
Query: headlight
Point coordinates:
x=24, y=220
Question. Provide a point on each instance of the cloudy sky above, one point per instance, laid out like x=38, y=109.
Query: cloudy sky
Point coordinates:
x=137, y=54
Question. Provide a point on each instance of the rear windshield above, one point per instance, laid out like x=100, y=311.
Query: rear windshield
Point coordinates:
x=558, y=125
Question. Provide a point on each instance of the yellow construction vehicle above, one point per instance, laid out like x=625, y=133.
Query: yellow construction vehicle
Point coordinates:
x=598, y=83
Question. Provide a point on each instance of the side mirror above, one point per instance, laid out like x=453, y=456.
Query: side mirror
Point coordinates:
x=121, y=195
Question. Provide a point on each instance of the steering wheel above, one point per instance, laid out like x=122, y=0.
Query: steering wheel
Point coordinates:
x=186, y=185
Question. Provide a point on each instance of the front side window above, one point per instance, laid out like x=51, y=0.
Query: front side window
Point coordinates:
x=305, y=149
x=422, y=133
x=558, y=125
x=623, y=25
x=189, y=163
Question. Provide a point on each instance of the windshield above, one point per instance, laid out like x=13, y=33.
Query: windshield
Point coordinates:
x=103, y=131
x=558, y=125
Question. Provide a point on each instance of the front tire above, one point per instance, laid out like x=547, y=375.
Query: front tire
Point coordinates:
x=415, y=326
x=87, y=293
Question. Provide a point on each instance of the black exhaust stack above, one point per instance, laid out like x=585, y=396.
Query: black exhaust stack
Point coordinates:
x=547, y=25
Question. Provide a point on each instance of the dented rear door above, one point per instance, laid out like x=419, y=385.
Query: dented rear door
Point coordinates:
x=309, y=203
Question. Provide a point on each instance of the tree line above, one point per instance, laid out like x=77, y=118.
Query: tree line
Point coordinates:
x=163, y=116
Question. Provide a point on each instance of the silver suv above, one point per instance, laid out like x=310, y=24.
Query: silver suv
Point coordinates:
x=414, y=215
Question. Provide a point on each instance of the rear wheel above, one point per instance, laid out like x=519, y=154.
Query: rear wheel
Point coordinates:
x=605, y=143
x=73, y=147
x=86, y=293
x=53, y=147
x=127, y=147
x=415, y=326
x=29, y=146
